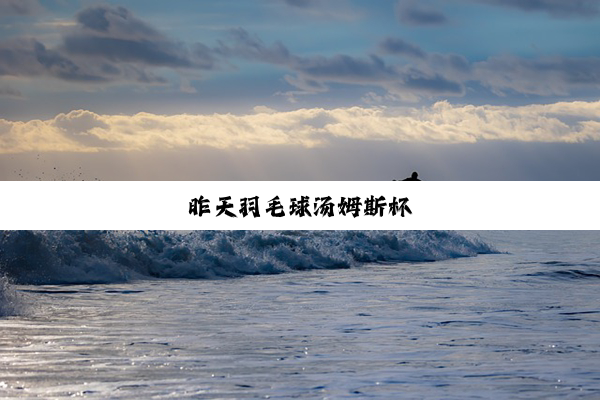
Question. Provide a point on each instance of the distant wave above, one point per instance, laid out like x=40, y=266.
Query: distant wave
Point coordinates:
x=77, y=257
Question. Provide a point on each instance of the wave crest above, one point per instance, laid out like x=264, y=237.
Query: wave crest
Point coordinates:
x=57, y=257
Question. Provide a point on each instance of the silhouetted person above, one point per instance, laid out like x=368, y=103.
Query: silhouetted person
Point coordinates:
x=413, y=177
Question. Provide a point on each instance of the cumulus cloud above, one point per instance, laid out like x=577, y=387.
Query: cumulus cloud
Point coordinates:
x=85, y=131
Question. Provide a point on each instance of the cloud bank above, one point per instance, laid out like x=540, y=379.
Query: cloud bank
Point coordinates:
x=85, y=131
x=110, y=45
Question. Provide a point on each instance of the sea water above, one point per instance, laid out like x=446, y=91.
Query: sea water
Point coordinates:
x=300, y=314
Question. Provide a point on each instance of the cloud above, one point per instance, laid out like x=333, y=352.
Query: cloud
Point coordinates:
x=23, y=57
x=115, y=21
x=299, y=3
x=19, y=7
x=544, y=76
x=114, y=34
x=400, y=47
x=315, y=72
x=424, y=75
x=329, y=9
x=77, y=125
x=412, y=13
x=85, y=131
x=8, y=91
x=28, y=57
x=556, y=8
x=243, y=44
x=108, y=44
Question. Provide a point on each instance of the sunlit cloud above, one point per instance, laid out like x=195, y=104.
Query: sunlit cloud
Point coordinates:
x=85, y=131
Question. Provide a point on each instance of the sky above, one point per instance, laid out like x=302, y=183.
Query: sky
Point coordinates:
x=299, y=89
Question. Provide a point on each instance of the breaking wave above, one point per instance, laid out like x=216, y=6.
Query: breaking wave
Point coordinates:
x=10, y=300
x=77, y=257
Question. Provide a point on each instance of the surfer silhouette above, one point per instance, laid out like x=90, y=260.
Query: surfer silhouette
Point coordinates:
x=413, y=177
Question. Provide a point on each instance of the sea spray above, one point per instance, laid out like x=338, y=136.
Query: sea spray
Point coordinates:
x=11, y=303
x=56, y=257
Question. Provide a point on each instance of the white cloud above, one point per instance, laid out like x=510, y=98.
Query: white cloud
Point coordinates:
x=85, y=131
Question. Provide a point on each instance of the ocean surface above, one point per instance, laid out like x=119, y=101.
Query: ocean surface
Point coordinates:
x=453, y=315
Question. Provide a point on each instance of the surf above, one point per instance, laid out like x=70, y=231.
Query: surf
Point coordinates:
x=11, y=301
x=89, y=257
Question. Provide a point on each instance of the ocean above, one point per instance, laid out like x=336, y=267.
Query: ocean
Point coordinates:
x=300, y=314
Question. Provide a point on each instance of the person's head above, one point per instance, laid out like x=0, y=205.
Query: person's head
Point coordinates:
x=414, y=175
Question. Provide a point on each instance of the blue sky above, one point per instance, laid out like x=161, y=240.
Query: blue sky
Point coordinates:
x=238, y=76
